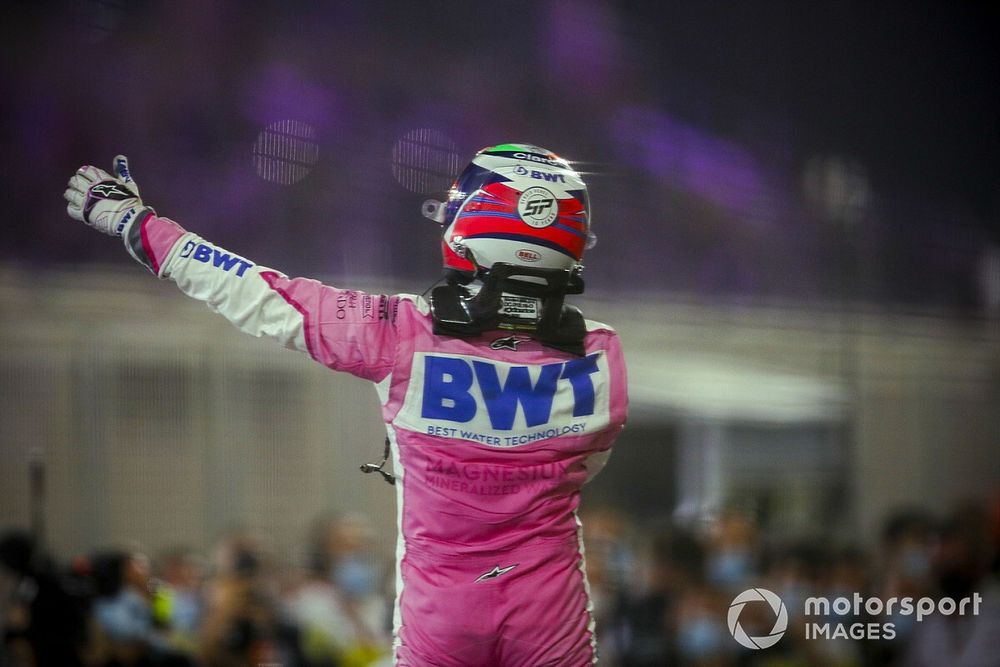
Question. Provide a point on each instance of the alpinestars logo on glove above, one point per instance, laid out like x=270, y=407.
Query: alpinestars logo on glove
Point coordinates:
x=110, y=191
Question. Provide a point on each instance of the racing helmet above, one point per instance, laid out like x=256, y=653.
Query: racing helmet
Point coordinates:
x=514, y=204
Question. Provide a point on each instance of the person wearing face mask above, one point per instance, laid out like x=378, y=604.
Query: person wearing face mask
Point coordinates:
x=358, y=579
x=651, y=629
x=124, y=615
x=907, y=537
x=339, y=606
x=962, y=567
x=732, y=555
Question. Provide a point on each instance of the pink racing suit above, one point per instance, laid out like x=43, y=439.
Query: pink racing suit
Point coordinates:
x=492, y=438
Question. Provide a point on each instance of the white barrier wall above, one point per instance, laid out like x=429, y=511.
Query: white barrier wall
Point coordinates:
x=917, y=395
x=158, y=422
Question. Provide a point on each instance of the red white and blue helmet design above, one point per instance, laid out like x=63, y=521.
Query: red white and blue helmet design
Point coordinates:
x=518, y=204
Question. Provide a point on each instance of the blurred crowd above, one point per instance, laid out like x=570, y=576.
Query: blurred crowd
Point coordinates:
x=664, y=598
x=661, y=593
x=234, y=607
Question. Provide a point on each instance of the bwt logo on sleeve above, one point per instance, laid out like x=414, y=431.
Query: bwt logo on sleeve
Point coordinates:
x=217, y=257
x=505, y=404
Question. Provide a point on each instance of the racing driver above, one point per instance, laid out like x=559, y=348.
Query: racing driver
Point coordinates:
x=500, y=400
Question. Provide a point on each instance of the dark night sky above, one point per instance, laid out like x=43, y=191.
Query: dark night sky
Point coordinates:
x=910, y=89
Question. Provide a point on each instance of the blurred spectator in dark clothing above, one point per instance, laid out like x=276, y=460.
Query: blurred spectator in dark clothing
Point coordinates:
x=961, y=567
x=848, y=572
x=646, y=629
x=794, y=571
x=610, y=565
x=123, y=612
x=45, y=624
x=242, y=623
x=907, y=538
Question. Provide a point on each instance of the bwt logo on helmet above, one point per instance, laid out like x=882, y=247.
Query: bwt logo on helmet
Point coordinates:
x=537, y=207
x=780, y=622
x=540, y=175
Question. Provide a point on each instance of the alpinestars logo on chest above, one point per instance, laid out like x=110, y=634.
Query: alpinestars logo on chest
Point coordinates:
x=496, y=572
x=508, y=342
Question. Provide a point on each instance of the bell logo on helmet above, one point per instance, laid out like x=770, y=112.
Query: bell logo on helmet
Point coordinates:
x=537, y=207
x=528, y=255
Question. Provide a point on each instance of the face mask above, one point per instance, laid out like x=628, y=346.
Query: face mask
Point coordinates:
x=699, y=638
x=794, y=596
x=186, y=611
x=355, y=577
x=617, y=559
x=904, y=624
x=621, y=564
x=915, y=563
x=729, y=568
x=125, y=617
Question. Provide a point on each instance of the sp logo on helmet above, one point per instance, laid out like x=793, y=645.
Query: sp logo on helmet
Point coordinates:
x=526, y=255
x=780, y=622
x=537, y=207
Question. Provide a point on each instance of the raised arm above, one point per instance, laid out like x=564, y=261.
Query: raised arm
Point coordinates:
x=344, y=330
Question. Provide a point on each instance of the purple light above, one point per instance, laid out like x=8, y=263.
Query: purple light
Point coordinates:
x=581, y=46
x=692, y=159
x=280, y=92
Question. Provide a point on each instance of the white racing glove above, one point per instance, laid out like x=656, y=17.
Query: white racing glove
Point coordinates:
x=107, y=203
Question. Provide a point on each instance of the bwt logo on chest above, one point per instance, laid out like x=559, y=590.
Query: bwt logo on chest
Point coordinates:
x=451, y=384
